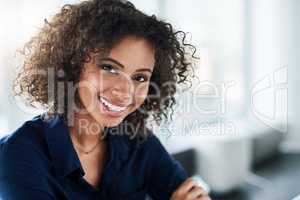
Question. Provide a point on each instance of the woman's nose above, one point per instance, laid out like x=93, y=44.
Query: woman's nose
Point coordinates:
x=121, y=94
x=123, y=90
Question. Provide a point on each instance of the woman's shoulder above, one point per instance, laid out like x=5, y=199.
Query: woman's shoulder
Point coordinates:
x=24, y=145
x=30, y=132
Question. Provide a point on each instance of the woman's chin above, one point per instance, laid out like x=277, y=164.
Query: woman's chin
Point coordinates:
x=108, y=121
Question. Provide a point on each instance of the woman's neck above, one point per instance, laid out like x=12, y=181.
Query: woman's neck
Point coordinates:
x=86, y=131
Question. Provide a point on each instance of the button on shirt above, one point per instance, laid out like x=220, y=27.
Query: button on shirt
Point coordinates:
x=38, y=161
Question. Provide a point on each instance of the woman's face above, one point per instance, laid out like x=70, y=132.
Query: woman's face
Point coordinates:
x=113, y=86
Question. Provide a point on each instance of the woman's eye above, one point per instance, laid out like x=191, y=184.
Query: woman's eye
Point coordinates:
x=108, y=68
x=141, y=78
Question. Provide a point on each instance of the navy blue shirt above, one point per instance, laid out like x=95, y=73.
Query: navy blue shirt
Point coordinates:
x=38, y=161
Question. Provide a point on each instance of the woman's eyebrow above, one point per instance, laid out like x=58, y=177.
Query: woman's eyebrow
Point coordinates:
x=122, y=66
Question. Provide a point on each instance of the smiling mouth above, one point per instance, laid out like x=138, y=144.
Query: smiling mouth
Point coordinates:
x=111, y=107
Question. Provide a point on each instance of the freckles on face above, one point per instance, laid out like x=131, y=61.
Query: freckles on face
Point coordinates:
x=117, y=84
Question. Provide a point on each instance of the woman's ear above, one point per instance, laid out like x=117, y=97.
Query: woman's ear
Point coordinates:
x=89, y=57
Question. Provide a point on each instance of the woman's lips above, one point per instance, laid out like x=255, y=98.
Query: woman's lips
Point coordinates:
x=107, y=110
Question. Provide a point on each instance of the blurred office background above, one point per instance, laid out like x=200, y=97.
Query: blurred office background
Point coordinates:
x=238, y=126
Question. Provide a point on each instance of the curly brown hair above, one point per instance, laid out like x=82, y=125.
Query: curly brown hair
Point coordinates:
x=63, y=44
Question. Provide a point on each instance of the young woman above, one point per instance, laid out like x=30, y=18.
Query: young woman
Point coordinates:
x=101, y=68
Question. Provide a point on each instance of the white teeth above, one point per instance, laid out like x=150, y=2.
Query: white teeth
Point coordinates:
x=112, y=107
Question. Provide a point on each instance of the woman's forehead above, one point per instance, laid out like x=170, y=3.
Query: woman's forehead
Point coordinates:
x=133, y=52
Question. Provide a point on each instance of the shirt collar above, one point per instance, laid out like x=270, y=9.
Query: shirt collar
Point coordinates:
x=65, y=158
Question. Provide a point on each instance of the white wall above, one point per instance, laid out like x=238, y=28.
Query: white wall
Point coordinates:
x=274, y=46
x=294, y=72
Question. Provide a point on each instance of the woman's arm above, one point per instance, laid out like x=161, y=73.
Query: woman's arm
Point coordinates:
x=10, y=190
x=168, y=179
x=21, y=173
x=165, y=173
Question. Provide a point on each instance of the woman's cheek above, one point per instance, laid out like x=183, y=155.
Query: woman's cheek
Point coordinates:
x=141, y=93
